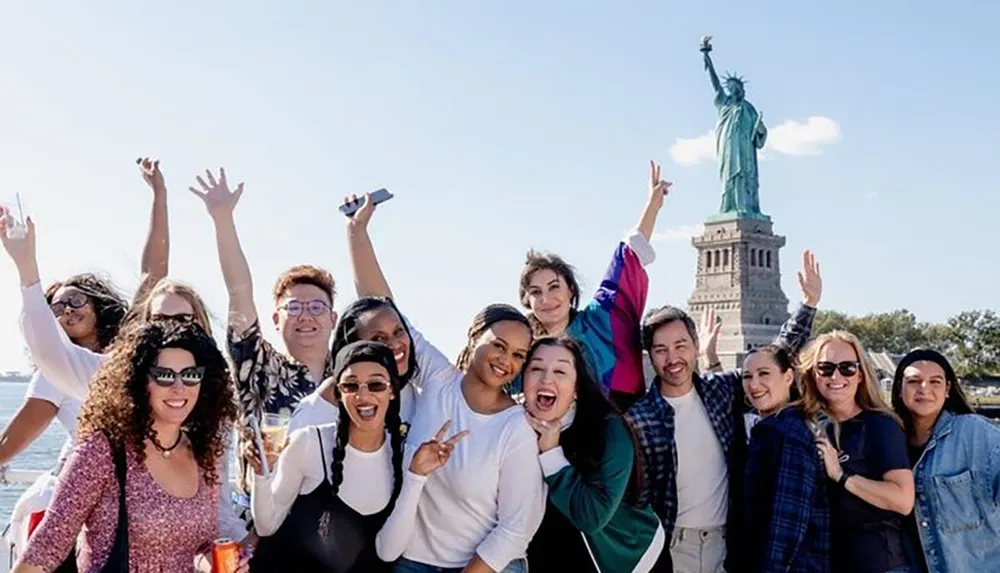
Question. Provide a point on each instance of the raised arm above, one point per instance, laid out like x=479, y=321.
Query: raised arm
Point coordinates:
x=369, y=280
x=66, y=365
x=590, y=500
x=156, y=251
x=220, y=202
x=713, y=77
x=797, y=329
x=658, y=191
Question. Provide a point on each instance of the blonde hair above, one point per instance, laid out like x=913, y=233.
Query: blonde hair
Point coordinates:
x=867, y=397
x=143, y=308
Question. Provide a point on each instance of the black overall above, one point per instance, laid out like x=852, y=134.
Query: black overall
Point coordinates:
x=322, y=534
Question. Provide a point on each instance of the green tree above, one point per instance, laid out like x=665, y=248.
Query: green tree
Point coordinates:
x=974, y=338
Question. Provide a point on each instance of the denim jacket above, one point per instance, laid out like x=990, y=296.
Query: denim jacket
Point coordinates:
x=958, y=495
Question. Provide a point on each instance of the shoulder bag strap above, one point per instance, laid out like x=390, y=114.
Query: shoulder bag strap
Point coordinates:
x=118, y=559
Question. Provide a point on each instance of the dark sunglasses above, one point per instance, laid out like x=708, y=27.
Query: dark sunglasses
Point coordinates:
x=166, y=377
x=314, y=307
x=846, y=368
x=185, y=317
x=74, y=301
x=355, y=387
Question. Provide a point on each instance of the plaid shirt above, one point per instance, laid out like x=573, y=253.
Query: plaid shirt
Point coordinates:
x=653, y=420
x=787, y=508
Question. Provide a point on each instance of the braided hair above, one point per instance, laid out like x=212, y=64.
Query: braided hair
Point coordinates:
x=376, y=352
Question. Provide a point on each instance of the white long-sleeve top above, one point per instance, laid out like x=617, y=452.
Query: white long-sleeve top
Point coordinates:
x=69, y=368
x=366, y=486
x=488, y=499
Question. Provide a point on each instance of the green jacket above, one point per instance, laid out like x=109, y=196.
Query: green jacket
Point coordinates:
x=616, y=532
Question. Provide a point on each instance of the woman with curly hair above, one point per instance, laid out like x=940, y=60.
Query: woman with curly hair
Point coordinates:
x=162, y=404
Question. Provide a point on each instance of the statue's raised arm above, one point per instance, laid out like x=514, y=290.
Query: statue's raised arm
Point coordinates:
x=706, y=47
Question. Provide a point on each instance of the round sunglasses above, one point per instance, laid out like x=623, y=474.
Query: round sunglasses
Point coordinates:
x=75, y=301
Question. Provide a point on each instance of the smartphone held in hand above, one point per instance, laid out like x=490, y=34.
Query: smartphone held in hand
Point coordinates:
x=380, y=196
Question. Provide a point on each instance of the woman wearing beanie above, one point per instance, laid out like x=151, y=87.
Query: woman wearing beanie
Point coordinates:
x=955, y=454
x=334, y=486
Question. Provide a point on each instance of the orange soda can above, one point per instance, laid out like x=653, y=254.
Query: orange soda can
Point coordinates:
x=225, y=556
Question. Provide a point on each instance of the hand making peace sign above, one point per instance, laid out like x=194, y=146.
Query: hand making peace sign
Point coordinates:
x=434, y=453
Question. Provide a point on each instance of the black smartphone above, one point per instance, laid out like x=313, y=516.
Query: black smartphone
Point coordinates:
x=380, y=196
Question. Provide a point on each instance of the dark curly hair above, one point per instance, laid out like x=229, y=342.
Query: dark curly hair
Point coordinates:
x=109, y=305
x=118, y=402
x=584, y=441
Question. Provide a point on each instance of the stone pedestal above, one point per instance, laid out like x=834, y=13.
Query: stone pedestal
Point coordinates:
x=739, y=275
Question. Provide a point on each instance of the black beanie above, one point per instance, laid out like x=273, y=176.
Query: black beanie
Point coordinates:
x=366, y=351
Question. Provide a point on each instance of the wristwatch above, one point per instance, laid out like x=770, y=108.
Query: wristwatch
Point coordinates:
x=842, y=482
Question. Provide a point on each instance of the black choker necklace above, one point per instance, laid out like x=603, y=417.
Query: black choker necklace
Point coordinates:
x=165, y=452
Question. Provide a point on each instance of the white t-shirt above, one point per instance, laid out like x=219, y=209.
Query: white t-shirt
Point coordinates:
x=366, y=486
x=702, y=474
x=69, y=408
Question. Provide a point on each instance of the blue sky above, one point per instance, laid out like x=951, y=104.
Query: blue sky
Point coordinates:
x=501, y=126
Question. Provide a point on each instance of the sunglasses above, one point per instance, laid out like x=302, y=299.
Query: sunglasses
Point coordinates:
x=846, y=368
x=166, y=377
x=355, y=387
x=185, y=317
x=314, y=307
x=75, y=301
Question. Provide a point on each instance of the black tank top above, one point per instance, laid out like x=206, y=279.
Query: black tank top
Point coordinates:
x=322, y=534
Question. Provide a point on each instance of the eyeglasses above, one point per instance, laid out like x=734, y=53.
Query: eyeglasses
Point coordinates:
x=185, y=317
x=315, y=307
x=846, y=368
x=166, y=377
x=74, y=301
x=355, y=387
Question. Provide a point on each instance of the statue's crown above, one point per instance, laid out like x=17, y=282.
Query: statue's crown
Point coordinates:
x=730, y=77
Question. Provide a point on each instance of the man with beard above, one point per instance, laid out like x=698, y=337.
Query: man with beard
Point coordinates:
x=694, y=451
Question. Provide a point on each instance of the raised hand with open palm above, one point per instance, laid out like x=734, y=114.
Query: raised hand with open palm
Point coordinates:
x=219, y=199
x=810, y=280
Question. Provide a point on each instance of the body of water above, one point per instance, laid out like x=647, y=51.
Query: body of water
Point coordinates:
x=41, y=455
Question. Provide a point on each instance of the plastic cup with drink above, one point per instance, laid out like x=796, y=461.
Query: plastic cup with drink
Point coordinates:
x=274, y=431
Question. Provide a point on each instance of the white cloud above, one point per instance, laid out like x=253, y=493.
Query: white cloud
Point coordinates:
x=803, y=138
x=871, y=195
x=790, y=137
x=680, y=234
x=693, y=151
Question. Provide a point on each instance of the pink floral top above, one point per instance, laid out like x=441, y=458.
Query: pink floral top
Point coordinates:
x=165, y=532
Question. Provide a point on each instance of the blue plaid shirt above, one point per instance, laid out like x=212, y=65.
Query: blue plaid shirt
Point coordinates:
x=787, y=507
x=653, y=420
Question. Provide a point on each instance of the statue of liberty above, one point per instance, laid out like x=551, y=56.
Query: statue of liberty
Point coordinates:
x=739, y=133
